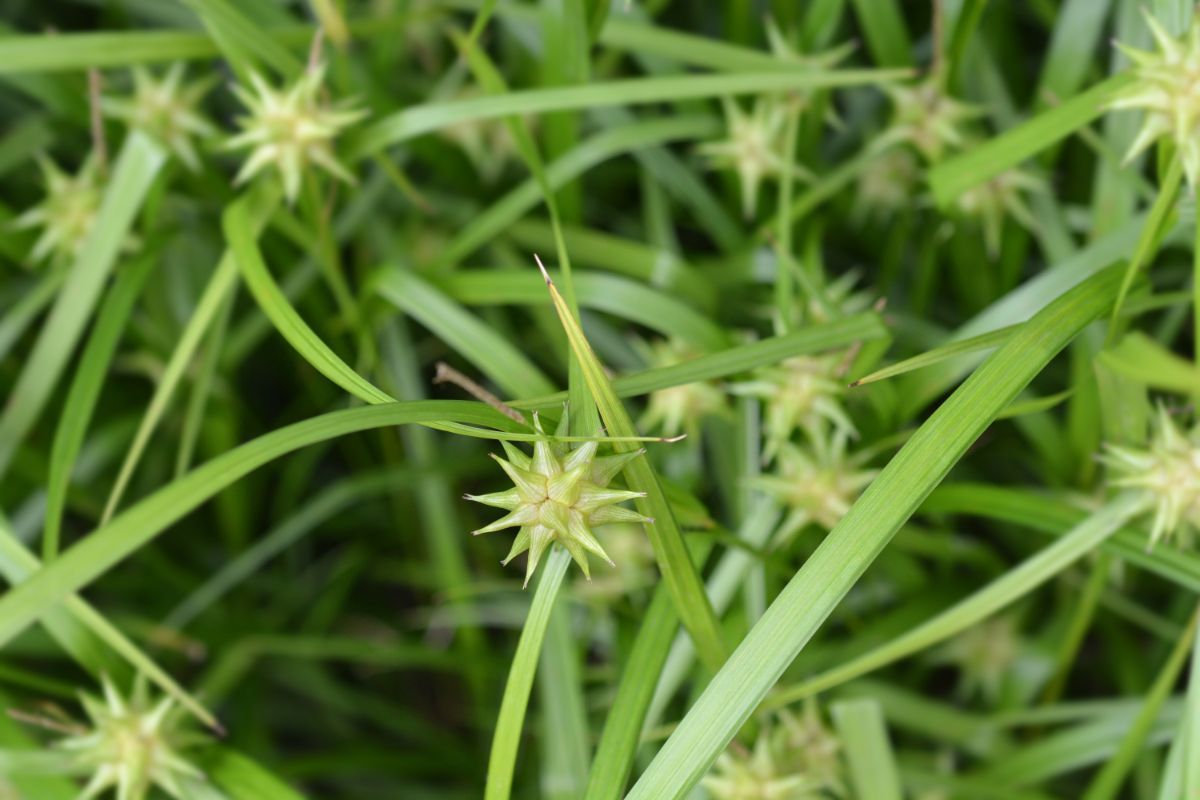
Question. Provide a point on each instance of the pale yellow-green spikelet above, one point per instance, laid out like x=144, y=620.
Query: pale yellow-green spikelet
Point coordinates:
x=558, y=494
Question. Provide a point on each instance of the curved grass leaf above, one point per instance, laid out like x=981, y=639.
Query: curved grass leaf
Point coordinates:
x=240, y=232
x=1003, y=591
x=139, y=524
x=1108, y=780
x=602, y=146
x=955, y=175
x=86, y=635
x=936, y=355
x=857, y=539
x=1049, y=515
x=678, y=571
x=734, y=360
x=417, y=120
x=869, y=755
x=466, y=334
x=608, y=293
x=242, y=778
x=220, y=286
x=84, y=391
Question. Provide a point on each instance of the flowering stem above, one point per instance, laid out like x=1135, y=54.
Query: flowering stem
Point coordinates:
x=507, y=738
x=1081, y=621
x=1148, y=242
x=1108, y=781
x=1196, y=289
x=783, y=273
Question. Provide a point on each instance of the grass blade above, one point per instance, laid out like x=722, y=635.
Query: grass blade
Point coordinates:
x=955, y=175
x=872, y=763
x=85, y=390
x=507, y=738
x=852, y=545
x=678, y=571
x=241, y=233
x=86, y=634
x=1003, y=591
x=1108, y=781
x=734, y=360
x=417, y=120
x=502, y=362
x=136, y=168
x=140, y=523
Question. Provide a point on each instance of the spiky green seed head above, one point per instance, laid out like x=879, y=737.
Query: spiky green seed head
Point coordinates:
x=558, y=495
x=1168, y=473
x=782, y=48
x=985, y=654
x=773, y=770
x=924, y=116
x=167, y=110
x=998, y=197
x=66, y=213
x=678, y=409
x=1166, y=88
x=812, y=747
x=887, y=184
x=800, y=393
x=131, y=746
x=291, y=130
x=751, y=148
x=818, y=482
x=487, y=143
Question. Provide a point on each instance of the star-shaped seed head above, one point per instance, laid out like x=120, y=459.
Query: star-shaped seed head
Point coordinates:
x=887, y=184
x=1168, y=472
x=768, y=772
x=66, y=212
x=166, y=109
x=927, y=118
x=291, y=129
x=1166, y=87
x=131, y=745
x=812, y=747
x=487, y=143
x=678, y=408
x=752, y=147
x=800, y=393
x=783, y=49
x=838, y=298
x=558, y=495
x=985, y=655
x=989, y=202
x=818, y=482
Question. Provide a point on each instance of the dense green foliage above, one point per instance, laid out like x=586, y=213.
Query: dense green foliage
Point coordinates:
x=837, y=360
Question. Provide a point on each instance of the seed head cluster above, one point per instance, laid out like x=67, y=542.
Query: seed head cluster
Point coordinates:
x=131, y=746
x=558, y=495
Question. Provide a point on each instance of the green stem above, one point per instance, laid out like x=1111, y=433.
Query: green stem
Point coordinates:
x=783, y=273
x=1149, y=240
x=1196, y=289
x=1081, y=620
x=507, y=739
x=1108, y=781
